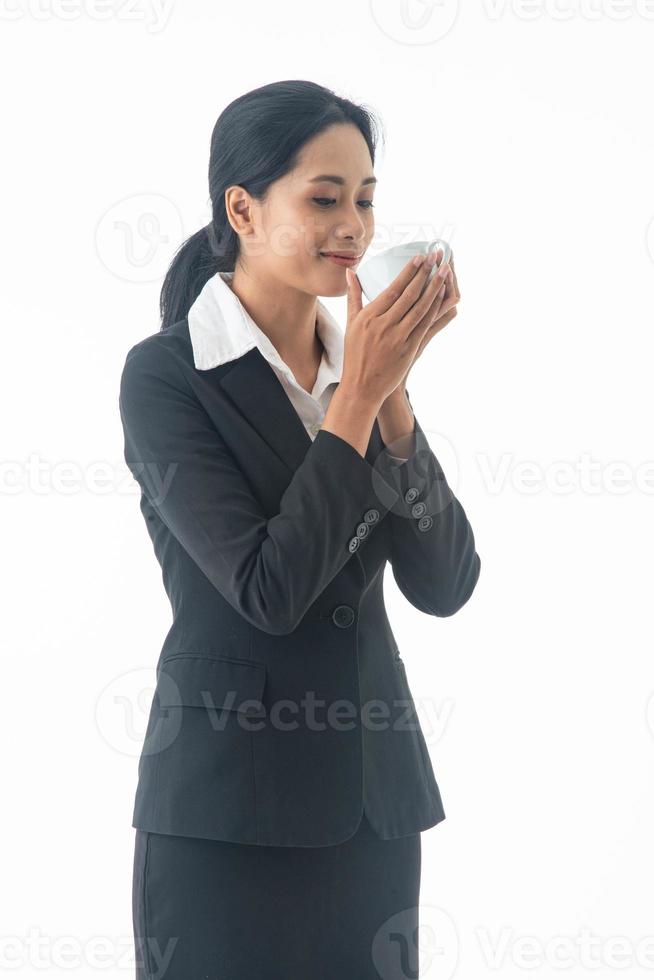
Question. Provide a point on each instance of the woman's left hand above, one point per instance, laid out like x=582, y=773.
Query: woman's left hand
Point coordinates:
x=443, y=314
x=395, y=415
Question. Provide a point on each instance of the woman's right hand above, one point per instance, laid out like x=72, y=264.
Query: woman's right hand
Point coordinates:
x=382, y=338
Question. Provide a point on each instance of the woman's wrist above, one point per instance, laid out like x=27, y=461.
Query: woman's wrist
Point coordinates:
x=397, y=422
x=353, y=393
x=351, y=416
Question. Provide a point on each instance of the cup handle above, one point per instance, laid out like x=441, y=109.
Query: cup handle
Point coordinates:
x=447, y=251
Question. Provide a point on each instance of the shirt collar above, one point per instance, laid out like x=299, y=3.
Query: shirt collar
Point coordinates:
x=222, y=330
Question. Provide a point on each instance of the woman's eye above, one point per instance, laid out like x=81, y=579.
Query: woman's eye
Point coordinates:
x=325, y=202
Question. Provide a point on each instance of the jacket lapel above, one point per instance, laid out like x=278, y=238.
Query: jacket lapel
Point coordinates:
x=255, y=390
x=257, y=393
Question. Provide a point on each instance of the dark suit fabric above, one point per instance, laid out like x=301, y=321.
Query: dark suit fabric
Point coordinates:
x=273, y=606
x=209, y=908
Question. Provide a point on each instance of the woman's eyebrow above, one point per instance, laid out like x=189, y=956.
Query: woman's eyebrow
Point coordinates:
x=335, y=179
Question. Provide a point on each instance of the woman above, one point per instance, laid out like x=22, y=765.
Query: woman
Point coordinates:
x=284, y=779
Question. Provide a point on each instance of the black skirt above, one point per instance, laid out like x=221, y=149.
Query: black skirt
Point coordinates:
x=218, y=910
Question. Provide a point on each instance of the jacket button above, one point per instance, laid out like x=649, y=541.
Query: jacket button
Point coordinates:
x=425, y=523
x=362, y=530
x=343, y=616
x=418, y=509
x=412, y=494
x=353, y=544
x=371, y=516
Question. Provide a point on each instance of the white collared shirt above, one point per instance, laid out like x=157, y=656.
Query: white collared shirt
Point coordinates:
x=221, y=330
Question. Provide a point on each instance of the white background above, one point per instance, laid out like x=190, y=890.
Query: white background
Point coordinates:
x=525, y=135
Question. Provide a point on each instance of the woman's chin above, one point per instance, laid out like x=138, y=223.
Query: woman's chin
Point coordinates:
x=333, y=290
x=333, y=279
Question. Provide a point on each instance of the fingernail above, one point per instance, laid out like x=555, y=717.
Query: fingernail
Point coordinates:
x=431, y=258
x=418, y=259
x=443, y=270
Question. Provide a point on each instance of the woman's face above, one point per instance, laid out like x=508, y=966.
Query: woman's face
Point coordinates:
x=303, y=216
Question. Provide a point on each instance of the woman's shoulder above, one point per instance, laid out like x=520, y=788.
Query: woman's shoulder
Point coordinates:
x=161, y=358
x=173, y=342
x=162, y=364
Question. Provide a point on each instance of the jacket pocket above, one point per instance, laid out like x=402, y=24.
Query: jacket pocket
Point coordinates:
x=201, y=681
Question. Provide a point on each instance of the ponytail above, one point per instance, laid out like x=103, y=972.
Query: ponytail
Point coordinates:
x=194, y=262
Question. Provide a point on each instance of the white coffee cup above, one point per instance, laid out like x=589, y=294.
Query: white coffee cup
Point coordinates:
x=377, y=273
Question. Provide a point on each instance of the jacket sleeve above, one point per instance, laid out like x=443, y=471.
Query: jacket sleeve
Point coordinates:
x=270, y=569
x=433, y=554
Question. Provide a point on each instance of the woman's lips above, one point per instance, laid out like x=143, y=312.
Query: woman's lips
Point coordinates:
x=341, y=259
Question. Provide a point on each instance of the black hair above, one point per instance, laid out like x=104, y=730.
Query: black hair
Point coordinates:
x=256, y=140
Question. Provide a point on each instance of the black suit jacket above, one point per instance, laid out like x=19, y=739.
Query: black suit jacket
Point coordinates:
x=282, y=708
